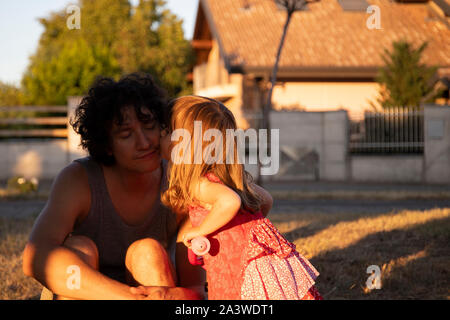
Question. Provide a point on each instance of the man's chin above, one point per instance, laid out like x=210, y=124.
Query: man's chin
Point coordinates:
x=149, y=166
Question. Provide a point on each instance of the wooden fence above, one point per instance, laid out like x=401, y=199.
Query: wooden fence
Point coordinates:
x=29, y=122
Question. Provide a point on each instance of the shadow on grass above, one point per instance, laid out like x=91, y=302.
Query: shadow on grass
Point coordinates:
x=320, y=222
x=414, y=264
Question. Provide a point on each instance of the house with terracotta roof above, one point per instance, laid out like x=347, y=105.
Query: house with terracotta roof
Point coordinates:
x=330, y=57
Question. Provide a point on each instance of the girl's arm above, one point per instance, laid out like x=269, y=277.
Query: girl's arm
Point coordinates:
x=225, y=205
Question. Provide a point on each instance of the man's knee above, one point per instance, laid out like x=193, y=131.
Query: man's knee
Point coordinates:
x=85, y=248
x=147, y=261
x=147, y=250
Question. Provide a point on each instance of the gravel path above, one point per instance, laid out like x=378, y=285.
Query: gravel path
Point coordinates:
x=22, y=208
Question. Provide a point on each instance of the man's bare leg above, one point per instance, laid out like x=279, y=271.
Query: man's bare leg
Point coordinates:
x=86, y=249
x=148, y=264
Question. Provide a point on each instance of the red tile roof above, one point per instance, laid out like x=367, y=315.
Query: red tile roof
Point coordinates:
x=324, y=35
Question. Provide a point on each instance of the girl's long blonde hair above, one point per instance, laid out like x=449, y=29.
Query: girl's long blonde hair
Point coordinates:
x=183, y=178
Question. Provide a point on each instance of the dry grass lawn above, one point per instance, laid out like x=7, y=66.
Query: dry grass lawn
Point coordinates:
x=13, y=283
x=410, y=247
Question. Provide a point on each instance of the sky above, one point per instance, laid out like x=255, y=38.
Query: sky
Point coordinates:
x=20, y=29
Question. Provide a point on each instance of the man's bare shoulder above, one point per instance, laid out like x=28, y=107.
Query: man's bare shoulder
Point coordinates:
x=72, y=185
x=68, y=203
x=74, y=174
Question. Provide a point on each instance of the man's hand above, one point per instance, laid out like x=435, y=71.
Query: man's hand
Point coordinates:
x=149, y=293
x=165, y=293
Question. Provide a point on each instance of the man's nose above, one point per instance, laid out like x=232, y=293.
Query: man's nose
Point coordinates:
x=143, y=139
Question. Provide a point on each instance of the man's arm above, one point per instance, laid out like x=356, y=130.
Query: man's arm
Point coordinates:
x=267, y=200
x=47, y=260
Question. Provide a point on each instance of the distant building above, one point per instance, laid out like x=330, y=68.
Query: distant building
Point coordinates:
x=330, y=57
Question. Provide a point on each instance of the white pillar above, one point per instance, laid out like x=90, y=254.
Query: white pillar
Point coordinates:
x=73, y=139
x=437, y=144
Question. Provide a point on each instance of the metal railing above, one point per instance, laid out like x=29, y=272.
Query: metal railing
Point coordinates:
x=29, y=122
x=395, y=130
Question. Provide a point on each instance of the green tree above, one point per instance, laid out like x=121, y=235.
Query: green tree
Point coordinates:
x=68, y=73
x=10, y=95
x=115, y=38
x=153, y=42
x=404, y=80
x=174, y=55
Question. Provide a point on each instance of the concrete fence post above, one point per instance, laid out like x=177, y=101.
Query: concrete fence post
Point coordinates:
x=334, y=161
x=74, y=150
x=436, y=144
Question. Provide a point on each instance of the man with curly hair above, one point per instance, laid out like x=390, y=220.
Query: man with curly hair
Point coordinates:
x=104, y=233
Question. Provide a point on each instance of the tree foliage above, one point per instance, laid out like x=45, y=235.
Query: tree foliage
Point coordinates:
x=10, y=95
x=404, y=80
x=115, y=38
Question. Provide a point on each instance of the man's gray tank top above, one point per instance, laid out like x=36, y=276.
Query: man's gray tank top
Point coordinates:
x=111, y=234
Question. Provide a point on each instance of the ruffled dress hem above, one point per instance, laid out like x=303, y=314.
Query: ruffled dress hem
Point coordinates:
x=272, y=268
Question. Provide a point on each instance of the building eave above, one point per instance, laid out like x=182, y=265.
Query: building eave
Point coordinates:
x=295, y=72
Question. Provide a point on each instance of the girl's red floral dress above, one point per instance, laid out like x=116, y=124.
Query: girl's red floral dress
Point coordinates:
x=250, y=259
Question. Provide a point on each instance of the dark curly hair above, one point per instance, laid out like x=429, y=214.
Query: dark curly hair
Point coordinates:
x=104, y=105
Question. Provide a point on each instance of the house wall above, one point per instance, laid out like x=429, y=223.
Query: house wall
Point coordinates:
x=212, y=73
x=326, y=96
x=212, y=80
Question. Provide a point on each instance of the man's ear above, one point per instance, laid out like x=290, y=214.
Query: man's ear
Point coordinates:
x=164, y=132
x=109, y=151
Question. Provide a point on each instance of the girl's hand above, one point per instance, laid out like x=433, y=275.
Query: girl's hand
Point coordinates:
x=191, y=234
